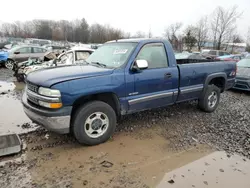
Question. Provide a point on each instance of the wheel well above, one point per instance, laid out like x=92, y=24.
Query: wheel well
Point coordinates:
x=109, y=98
x=219, y=82
x=10, y=59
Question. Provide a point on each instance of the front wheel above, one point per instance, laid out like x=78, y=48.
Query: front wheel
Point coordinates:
x=9, y=64
x=210, y=99
x=94, y=123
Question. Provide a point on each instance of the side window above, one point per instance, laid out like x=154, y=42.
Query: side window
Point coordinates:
x=222, y=53
x=212, y=52
x=225, y=53
x=67, y=58
x=24, y=50
x=155, y=55
x=81, y=55
x=38, y=50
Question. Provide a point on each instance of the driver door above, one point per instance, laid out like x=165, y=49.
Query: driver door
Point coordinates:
x=155, y=86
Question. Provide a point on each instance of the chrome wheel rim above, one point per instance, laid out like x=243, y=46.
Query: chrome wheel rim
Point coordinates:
x=96, y=124
x=9, y=64
x=212, y=99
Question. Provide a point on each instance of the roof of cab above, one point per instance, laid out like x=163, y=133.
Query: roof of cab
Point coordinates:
x=137, y=40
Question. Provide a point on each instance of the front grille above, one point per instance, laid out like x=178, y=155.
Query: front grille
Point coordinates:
x=32, y=99
x=32, y=87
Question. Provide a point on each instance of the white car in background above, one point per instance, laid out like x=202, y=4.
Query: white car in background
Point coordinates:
x=69, y=57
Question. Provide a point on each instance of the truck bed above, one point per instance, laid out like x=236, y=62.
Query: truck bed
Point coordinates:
x=192, y=77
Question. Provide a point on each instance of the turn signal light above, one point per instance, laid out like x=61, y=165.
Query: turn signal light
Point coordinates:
x=55, y=105
x=50, y=105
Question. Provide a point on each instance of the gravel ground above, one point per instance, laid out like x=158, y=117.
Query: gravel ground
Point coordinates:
x=182, y=125
x=228, y=128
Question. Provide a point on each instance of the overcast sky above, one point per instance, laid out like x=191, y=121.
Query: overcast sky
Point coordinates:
x=128, y=15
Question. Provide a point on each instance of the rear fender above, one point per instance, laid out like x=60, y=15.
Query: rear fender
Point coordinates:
x=212, y=76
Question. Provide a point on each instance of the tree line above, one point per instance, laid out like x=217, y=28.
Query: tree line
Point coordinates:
x=74, y=31
x=218, y=28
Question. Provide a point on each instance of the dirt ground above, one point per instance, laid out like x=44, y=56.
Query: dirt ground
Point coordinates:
x=138, y=159
x=144, y=148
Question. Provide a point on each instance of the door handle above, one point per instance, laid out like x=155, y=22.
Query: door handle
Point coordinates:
x=168, y=75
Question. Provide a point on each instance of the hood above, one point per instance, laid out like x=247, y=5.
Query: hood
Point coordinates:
x=243, y=73
x=51, y=76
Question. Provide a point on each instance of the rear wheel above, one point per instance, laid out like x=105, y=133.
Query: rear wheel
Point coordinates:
x=210, y=99
x=94, y=123
x=9, y=64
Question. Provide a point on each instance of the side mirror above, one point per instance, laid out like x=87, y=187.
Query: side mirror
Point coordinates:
x=16, y=52
x=141, y=64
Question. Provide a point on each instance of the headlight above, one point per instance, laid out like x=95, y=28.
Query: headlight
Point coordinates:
x=50, y=105
x=49, y=92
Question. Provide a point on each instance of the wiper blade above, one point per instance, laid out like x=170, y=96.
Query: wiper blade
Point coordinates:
x=100, y=64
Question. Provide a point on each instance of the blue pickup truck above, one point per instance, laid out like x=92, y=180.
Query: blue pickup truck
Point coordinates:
x=121, y=77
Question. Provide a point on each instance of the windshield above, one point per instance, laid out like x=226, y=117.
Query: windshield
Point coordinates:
x=12, y=50
x=244, y=63
x=112, y=54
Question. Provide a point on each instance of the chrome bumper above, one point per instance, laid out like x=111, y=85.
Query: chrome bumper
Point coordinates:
x=58, y=121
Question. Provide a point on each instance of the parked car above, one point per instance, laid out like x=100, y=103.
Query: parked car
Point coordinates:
x=3, y=57
x=23, y=53
x=68, y=58
x=235, y=58
x=242, y=81
x=211, y=54
x=40, y=41
x=121, y=77
x=57, y=49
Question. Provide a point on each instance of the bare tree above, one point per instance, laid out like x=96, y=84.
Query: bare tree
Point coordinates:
x=28, y=29
x=222, y=24
x=172, y=33
x=190, y=37
x=75, y=31
x=248, y=41
x=6, y=29
x=201, y=32
x=248, y=37
x=139, y=34
x=126, y=35
x=150, y=33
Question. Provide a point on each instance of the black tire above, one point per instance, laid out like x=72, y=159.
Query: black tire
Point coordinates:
x=80, y=117
x=204, y=100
